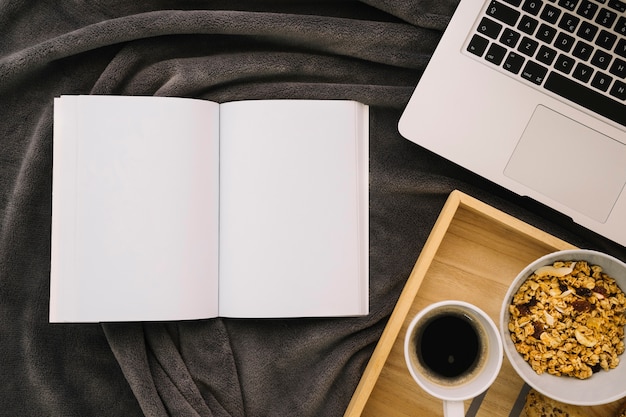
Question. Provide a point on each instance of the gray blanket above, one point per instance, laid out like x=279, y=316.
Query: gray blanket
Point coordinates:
x=371, y=51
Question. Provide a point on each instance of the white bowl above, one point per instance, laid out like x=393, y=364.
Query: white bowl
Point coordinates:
x=602, y=387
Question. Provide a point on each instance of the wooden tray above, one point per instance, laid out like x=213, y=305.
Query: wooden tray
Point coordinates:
x=473, y=252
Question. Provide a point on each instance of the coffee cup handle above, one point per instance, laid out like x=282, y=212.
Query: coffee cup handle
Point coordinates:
x=453, y=409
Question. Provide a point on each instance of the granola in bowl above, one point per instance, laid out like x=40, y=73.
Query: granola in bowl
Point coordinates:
x=562, y=326
x=568, y=319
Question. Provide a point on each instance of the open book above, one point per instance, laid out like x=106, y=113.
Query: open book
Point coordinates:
x=174, y=209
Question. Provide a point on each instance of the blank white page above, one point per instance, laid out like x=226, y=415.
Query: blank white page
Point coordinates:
x=135, y=211
x=293, y=208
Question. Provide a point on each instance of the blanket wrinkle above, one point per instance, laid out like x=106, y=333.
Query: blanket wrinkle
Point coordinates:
x=29, y=181
x=24, y=23
x=180, y=372
x=173, y=370
x=301, y=30
x=428, y=14
x=127, y=342
x=179, y=75
x=175, y=401
x=206, y=348
x=178, y=70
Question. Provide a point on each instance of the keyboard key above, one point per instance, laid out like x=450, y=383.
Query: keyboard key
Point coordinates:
x=550, y=13
x=586, y=97
x=546, y=55
x=618, y=68
x=582, y=72
x=489, y=28
x=478, y=45
x=606, y=39
x=513, y=62
x=565, y=64
x=503, y=13
x=582, y=50
x=620, y=49
x=606, y=18
x=568, y=4
x=618, y=5
x=587, y=31
x=587, y=9
x=495, y=54
x=528, y=46
x=569, y=22
x=532, y=6
x=534, y=72
x=619, y=90
x=620, y=27
x=546, y=33
x=528, y=25
x=601, y=81
x=510, y=37
x=564, y=42
x=514, y=2
x=601, y=59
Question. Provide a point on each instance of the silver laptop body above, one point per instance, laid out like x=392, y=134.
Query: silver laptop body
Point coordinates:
x=531, y=95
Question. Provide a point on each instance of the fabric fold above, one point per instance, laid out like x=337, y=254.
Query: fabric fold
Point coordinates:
x=327, y=34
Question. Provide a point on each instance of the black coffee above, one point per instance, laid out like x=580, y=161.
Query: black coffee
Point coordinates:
x=449, y=345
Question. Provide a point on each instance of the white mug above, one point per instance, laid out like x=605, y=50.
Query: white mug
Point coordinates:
x=454, y=352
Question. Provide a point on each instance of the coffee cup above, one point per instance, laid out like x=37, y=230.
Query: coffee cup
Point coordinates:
x=454, y=352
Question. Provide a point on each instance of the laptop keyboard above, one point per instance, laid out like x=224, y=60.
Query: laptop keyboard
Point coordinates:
x=575, y=49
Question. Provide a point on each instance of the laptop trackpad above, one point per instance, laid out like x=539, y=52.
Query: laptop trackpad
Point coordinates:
x=570, y=163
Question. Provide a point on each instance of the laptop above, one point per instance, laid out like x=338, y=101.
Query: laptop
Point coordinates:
x=531, y=95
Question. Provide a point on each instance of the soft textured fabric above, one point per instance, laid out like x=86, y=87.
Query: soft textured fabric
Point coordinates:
x=372, y=51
